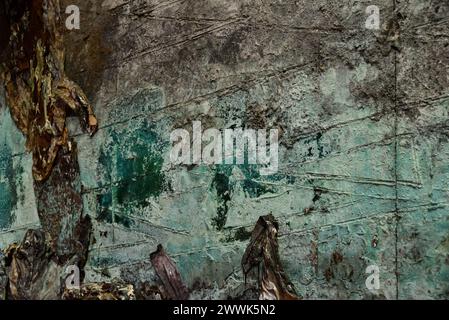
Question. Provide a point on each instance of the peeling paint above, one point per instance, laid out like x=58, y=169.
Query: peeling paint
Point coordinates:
x=363, y=149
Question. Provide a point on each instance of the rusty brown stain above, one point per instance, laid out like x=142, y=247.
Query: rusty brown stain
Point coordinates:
x=60, y=208
x=337, y=257
x=328, y=274
x=313, y=255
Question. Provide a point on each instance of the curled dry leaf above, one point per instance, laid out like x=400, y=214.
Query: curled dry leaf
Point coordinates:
x=263, y=250
x=173, y=288
x=28, y=265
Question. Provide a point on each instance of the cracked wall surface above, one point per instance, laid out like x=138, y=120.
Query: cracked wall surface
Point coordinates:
x=363, y=148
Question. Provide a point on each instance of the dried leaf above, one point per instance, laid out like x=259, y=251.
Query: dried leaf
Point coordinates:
x=263, y=251
x=28, y=265
x=166, y=270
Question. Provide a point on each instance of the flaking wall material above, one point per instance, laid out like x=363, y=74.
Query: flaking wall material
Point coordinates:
x=363, y=151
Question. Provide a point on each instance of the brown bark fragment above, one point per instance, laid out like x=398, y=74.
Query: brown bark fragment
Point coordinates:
x=38, y=92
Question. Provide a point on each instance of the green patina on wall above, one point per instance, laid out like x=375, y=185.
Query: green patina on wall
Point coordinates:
x=8, y=193
x=133, y=165
x=225, y=188
x=363, y=174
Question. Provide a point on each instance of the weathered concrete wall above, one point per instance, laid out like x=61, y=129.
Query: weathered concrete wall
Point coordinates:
x=363, y=147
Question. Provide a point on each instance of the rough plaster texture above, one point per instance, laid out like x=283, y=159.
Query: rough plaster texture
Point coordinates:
x=363, y=150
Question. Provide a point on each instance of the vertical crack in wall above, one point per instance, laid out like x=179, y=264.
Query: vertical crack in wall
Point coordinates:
x=396, y=205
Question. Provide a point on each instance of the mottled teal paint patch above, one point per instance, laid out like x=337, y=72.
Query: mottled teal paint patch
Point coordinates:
x=250, y=184
x=141, y=175
x=241, y=234
x=224, y=188
x=102, y=261
x=107, y=214
x=133, y=162
x=315, y=147
x=8, y=194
